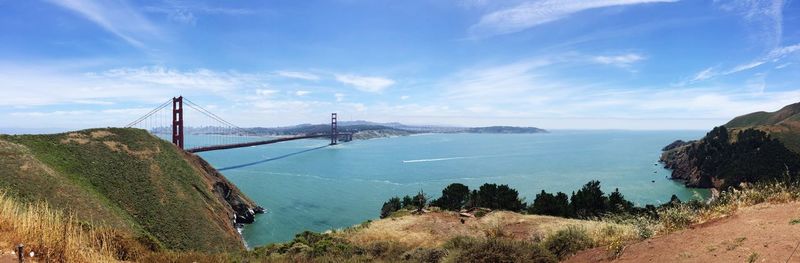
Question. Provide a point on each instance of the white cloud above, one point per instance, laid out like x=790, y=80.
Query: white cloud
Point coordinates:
x=365, y=83
x=744, y=67
x=36, y=85
x=620, y=61
x=704, y=75
x=266, y=92
x=339, y=97
x=114, y=16
x=302, y=92
x=533, y=13
x=764, y=16
x=204, y=79
x=405, y=97
x=297, y=75
x=781, y=52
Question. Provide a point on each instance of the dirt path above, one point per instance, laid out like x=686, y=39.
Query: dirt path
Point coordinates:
x=762, y=233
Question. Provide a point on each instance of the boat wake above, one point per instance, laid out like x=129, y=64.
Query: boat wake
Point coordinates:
x=443, y=159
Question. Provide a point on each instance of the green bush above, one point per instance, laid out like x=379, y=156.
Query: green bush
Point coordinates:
x=567, y=241
x=390, y=207
x=454, y=196
x=499, y=197
x=589, y=201
x=502, y=250
x=433, y=255
x=549, y=204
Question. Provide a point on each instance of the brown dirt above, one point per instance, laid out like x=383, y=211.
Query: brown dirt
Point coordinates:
x=763, y=232
x=143, y=154
x=101, y=134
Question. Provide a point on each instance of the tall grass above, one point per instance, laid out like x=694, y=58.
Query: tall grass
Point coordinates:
x=52, y=235
x=680, y=216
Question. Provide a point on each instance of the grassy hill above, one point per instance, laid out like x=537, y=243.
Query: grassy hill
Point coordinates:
x=783, y=124
x=129, y=180
x=761, y=146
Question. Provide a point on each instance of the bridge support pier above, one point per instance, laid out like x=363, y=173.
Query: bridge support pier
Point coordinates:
x=334, y=132
x=177, y=121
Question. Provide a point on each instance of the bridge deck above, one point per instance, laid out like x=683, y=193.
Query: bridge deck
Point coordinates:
x=248, y=144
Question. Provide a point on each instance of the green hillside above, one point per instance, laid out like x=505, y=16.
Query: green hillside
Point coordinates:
x=783, y=124
x=126, y=179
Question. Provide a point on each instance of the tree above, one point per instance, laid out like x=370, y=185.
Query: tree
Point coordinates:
x=618, y=204
x=390, y=207
x=419, y=201
x=589, y=201
x=499, y=197
x=407, y=201
x=549, y=204
x=454, y=196
x=472, y=201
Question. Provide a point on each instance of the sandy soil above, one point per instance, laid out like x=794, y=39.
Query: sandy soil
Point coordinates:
x=762, y=233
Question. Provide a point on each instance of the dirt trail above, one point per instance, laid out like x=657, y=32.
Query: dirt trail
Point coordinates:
x=762, y=233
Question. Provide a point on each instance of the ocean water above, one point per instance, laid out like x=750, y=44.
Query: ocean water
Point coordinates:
x=307, y=185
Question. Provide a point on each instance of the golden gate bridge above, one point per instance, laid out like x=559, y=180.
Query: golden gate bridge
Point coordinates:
x=217, y=133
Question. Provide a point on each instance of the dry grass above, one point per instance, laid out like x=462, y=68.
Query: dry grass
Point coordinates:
x=434, y=229
x=53, y=236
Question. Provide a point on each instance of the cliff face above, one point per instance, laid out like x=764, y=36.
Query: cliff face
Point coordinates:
x=129, y=180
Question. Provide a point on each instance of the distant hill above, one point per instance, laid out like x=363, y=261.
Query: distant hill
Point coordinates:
x=362, y=130
x=129, y=180
x=760, y=146
x=783, y=124
x=505, y=129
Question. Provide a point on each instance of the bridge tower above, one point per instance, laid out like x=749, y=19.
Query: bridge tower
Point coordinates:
x=334, y=132
x=177, y=121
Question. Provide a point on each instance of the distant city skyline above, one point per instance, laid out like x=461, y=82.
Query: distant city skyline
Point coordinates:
x=552, y=64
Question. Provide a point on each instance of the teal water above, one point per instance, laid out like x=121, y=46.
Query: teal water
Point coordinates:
x=306, y=186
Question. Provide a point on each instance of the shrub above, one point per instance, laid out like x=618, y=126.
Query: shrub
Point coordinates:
x=549, y=204
x=454, y=196
x=567, y=241
x=390, y=207
x=432, y=255
x=419, y=200
x=502, y=250
x=499, y=197
x=407, y=202
x=618, y=204
x=589, y=201
x=460, y=242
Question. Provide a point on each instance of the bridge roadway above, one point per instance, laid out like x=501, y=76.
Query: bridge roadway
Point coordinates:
x=248, y=144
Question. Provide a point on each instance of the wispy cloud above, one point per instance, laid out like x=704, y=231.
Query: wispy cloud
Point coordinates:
x=621, y=60
x=302, y=92
x=188, y=12
x=773, y=56
x=533, y=13
x=764, y=16
x=114, y=16
x=24, y=85
x=297, y=75
x=705, y=74
x=365, y=83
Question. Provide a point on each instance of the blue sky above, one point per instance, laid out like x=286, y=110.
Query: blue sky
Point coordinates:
x=557, y=64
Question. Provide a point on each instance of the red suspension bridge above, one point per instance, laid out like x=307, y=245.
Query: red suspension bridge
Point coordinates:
x=215, y=133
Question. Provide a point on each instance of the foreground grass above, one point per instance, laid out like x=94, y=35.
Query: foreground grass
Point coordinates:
x=434, y=237
x=53, y=235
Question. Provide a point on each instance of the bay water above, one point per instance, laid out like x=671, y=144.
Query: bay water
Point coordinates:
x=307, y=185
